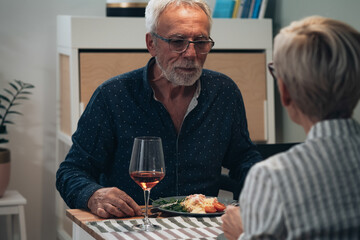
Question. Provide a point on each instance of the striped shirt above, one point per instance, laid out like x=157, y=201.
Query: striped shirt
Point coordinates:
x=311, y=191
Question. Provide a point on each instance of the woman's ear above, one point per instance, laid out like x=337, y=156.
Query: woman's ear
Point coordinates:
x=295, y=114
x=150, y=44
x=284, y=93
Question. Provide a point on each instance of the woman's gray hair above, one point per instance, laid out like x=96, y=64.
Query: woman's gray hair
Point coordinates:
x=318, y=60
x=155, y=7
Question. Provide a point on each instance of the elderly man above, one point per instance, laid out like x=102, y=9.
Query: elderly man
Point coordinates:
x=311, y=191
x=199, y=115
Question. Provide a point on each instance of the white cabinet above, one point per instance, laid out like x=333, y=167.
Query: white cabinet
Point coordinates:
x=93, y=49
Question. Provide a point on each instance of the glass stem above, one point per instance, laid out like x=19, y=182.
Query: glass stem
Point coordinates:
x=146, y=197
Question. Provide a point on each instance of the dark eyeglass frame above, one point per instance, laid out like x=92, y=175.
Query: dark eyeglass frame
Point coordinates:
x=169, y=40
x=272, y=70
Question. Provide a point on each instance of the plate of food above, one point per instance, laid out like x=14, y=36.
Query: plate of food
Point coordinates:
x=197, y=205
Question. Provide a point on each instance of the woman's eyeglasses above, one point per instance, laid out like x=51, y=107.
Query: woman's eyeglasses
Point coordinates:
x=181, y=45
x=272, y=70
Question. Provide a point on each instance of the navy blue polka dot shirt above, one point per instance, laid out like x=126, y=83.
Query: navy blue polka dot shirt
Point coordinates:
x=213, y=134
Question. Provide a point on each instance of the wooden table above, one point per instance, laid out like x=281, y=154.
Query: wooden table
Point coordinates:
x=81, y=231
x=79, y=228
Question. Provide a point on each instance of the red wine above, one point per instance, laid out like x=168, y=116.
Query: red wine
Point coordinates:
x=147, y=179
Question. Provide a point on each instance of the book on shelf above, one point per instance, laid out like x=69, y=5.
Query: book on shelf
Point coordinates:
x=240, y=9
x=223, y=9
x=246, y=9
x=236, y=8
x=256, y=11
x=251, y=10
x=263, y=8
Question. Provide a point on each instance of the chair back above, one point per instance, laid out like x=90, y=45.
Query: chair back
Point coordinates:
x=270, y=149
x=266, y=150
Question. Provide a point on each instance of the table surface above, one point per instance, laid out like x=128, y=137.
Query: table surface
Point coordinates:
x=11, y=198
x=80, y=217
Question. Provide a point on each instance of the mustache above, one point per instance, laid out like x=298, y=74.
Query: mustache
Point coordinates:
x=187, y=64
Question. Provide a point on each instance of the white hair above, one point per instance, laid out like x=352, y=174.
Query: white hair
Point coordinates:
x=155, y=7
x=318, y=60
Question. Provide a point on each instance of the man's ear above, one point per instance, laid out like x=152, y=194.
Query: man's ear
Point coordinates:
x=284, y=93
x=150, y=44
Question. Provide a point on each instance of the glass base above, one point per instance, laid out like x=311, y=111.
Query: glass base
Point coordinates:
x=146, y=227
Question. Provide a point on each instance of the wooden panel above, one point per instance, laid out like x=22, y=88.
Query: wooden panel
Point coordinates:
x=249, y=73
x=95, y=68
x=65, y=110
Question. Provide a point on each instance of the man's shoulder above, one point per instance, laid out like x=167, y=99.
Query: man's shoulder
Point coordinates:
x=214, y=74
x=217, y=79
x=124, y=79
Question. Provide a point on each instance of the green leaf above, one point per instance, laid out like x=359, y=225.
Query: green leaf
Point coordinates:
x=19, y=94
x=23, y=98
x=19, y=82
x=9, y=92
x=14, y=86
x=3, y=129
x=25, y=92
x=27, y=85
x=15, y=112
x=4, y=98
x=24, y=85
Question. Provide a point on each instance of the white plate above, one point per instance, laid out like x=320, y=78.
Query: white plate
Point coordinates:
x=155, y=204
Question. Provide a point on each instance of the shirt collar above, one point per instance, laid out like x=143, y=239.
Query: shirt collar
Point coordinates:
x=146, y=83
x=334, y=127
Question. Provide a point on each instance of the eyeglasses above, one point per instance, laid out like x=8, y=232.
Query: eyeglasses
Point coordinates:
x=272, y=70
x=181, y=45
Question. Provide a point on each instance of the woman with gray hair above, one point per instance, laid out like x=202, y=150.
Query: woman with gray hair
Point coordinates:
x=311, y=191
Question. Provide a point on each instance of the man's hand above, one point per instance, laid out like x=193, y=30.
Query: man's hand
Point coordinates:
x=112, y=202
x=232, y=224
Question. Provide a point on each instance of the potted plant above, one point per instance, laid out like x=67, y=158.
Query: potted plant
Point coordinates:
x=17, y=92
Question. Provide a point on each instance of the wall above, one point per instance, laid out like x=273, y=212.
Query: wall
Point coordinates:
x=28, y=52
x=286, y=11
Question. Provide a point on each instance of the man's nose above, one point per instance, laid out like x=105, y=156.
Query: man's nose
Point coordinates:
x=190, y=50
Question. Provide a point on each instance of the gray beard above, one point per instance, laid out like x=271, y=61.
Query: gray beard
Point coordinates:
x=180, y=79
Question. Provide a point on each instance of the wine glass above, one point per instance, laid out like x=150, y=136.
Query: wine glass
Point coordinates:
x=147, y=168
